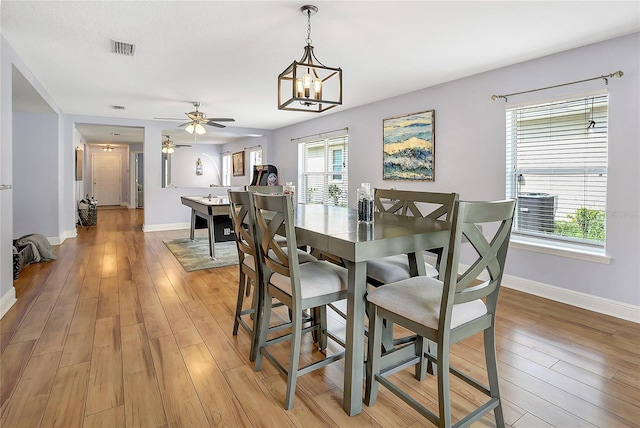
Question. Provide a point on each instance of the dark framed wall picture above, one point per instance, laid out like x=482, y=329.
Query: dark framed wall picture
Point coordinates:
x=79, y=158
x=408, y=147
x=238, y=163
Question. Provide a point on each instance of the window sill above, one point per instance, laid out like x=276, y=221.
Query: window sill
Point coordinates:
x=573, y=252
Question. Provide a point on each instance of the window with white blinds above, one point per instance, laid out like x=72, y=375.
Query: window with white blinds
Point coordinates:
x=255, y=159
x=226, y=169
x=557, y=169
x=323, y=177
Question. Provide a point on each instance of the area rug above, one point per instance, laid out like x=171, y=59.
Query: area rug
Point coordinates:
x=194, y=255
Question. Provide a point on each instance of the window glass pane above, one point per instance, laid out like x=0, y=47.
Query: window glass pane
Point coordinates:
x=318, y=182
x=226, y=170
x=557, y=168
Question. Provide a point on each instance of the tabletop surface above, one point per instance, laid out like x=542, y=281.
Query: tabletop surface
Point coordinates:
x=205, y=200
x=336, y=229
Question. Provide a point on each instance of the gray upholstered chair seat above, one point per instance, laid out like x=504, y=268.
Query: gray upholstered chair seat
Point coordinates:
x=317, y=278
x=303, y=257
x=418, y=299
x=394, y=268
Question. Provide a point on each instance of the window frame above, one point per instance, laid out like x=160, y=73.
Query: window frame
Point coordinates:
x=553, y=242
x=327, y=175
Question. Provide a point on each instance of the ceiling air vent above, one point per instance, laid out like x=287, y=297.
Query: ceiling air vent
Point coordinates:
x=122, y=48
x=117, y=107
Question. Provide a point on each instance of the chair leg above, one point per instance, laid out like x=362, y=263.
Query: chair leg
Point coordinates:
x=374, y=350
x=322, y=336
x=257, y=306
x=444, y=386
x=492, y=372
x=387, y=335
x=241, y=290
x=432, y=368
x=294, y=359
x=263, y=326
x=421, y=368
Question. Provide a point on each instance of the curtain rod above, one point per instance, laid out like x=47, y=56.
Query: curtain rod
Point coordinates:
x=321, y=134
x=605, y=77
x=252, y=147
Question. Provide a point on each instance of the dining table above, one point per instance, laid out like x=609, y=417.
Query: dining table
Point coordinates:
x=208, y=208
x=336, y=230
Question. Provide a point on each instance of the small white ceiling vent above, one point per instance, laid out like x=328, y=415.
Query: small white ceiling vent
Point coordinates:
x=122, y=48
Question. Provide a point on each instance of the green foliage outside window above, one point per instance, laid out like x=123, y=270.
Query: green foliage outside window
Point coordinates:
x=334, y=194
x=585, y=223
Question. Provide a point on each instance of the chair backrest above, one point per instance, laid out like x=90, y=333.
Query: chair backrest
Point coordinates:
x=417, y=204
x=274, y=216
x=242, y=216
x=266, y=190
x=470, y=222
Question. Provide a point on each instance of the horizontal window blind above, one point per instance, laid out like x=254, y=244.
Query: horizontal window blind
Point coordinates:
x=324, y=173
x=557, y=168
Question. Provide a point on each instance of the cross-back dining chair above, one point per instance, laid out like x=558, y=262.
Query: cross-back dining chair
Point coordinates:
x=433, y=205
x=242, y=215
x=242, y=218
x=447, y=311
x=305, y=286
x=267, y=190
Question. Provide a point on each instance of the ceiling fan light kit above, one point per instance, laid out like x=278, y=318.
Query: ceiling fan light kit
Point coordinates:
x=168, y=145
x=197, y=119
x=309, y=85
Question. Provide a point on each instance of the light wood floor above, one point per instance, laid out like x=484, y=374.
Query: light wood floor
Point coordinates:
x=115, y=333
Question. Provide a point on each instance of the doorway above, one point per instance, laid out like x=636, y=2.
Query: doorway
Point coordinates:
x=106, y=172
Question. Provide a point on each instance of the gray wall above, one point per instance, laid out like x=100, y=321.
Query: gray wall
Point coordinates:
x=35, y=174
x=470, y=153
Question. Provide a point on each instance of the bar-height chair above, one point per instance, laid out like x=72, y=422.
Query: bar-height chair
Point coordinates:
x=310, y=285
x=446, y=311
x=268, y=190
x=242, y=216
x=408, y=203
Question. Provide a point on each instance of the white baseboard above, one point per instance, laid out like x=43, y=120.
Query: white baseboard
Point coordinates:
x=601, y=305
x=597, y=304
x=161, y=227
x=7, y=300
x=58, y=240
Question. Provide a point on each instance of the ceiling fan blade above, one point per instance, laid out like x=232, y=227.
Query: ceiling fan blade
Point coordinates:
x=217, y=125
x=167, y=118
x=219, y=119
x=182, y=145
x=192, y=115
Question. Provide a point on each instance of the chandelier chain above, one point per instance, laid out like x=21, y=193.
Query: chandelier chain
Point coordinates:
x=309, y=27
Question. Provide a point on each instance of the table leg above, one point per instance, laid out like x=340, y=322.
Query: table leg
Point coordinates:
x=212, y=238
x=354, y=359
x=193, y=224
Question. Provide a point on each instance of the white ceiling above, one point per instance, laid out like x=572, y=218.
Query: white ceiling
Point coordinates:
x=228, y=54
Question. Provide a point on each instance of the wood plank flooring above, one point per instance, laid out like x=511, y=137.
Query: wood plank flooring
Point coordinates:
x=114, y=333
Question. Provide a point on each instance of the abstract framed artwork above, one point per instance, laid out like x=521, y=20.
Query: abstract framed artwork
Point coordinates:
x=408, y=147
x=238, y=163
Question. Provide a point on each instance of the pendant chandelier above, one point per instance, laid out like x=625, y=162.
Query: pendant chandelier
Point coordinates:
x=309, y=85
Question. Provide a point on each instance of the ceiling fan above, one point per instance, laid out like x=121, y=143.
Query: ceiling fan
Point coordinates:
x=197, y=119
x=168, y=145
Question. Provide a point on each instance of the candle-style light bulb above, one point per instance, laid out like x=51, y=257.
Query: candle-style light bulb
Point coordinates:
x=317, y=88
x=299, y=88
x=306, y=82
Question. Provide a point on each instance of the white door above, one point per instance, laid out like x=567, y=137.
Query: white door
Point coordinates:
x=106, y=173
